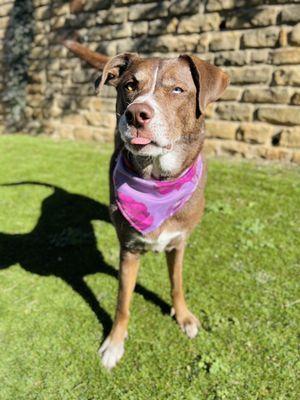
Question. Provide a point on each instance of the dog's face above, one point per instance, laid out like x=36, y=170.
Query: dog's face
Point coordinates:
x=160, y=101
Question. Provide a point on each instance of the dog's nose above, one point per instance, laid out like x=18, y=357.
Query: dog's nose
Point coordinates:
x=138, y=114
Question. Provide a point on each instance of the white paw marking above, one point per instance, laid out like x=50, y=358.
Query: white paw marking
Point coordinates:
x=191, y=329
x=189, y=325
x=111, y=353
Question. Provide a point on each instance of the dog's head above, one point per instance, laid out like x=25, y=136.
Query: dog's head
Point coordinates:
x=160, y=102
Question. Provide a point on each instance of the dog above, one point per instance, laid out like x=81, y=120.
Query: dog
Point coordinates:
x=157, y=170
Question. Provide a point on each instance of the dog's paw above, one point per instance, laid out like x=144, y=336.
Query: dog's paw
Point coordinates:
x=189, y=324
x=111, y=352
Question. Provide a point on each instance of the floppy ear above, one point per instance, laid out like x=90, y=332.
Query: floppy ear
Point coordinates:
x=96, y=60
x=114, y=69
x=210, y=81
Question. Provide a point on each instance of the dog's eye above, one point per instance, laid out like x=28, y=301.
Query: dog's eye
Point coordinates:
x=130, y=86
x=177, y=90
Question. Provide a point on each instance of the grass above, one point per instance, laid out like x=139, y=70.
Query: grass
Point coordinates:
x=58, y=269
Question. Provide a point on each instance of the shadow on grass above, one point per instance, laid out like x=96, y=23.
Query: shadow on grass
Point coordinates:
x=63, y=244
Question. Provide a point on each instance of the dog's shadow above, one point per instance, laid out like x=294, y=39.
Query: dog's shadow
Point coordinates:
x=63, y=244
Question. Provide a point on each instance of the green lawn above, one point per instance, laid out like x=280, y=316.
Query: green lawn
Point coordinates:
x=58, y=270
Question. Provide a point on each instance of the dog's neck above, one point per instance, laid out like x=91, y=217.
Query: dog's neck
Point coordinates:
x=166, y=166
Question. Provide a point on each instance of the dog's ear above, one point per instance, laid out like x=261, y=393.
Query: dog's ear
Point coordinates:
x=96, y=60
x=210, y=81
x=114, y=69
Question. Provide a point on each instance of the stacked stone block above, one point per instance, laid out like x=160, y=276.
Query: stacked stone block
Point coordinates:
x=257, y=42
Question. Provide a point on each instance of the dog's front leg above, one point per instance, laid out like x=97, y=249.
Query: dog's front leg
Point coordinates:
x=186, y=320
x=112, y=348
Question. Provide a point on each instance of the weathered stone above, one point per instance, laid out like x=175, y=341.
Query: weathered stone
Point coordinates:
x=283, y=36
x=249, y=74
x=103, y=135
x=62, y=131
x=99, y=104
x=40, y=40
x=217, y=5
x=98, y=119
x=41, y=13
x=131, y=1
x=235, y=148
x=234, y=111
x=36, y=100
x=221, y=129
x=209, y=112
x=290, y=137
x=225, y=41
x=140, y=28
x=4, y=22
x=256, y=133
x=231, y=93
x=295, y=35
x=61, y=9
x=259, y=56
x=296, y=157
x=56, y=51
x=270, y=95
x=148, y=11
x=211, y=147
x=275, y=153
x=285, y=56
x=296, y=98
x=209, y=57
x=161, y=26
x=179, y=7
x=5, y=9
x=279, y=115
x=287, y=76
x=42, y=27
x=34, y=88
x=199, y=23
x=265, y=37
x=203, y=41
x=116, y=15
x=122, y=46
x=108, y=32
x=92, y=5
x=74, y=119
x=58, y=22
x=83, y=76
x=290, y=13
x=169, y=43
x=253, y=18
x=237, y=58
x=39, y=52
x=83, y=133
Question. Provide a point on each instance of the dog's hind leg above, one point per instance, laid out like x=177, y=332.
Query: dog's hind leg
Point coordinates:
x=186, y=320
x=112, y=348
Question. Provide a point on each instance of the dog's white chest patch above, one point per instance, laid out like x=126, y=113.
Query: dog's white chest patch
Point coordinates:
x=165, y=241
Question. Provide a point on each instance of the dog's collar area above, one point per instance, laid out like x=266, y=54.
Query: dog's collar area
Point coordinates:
x=147, y=203
x=130, y=166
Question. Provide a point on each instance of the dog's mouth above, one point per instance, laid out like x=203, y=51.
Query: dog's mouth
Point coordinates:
x=140, y=141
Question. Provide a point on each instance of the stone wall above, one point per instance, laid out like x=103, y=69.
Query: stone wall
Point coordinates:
x=46, y=89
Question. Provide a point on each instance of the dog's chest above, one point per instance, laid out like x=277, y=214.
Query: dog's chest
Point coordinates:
x=165, y=241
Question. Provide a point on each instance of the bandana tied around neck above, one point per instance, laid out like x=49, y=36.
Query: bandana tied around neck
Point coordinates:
x=147, y=203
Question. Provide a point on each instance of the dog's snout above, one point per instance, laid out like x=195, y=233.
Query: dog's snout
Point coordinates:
x=138, y=114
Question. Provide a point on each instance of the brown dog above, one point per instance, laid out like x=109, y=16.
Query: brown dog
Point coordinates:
x=160, y=133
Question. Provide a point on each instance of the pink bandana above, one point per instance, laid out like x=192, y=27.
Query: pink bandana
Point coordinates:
x=147, y=203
